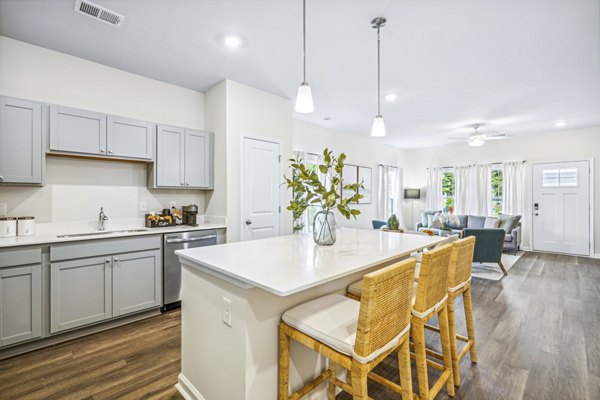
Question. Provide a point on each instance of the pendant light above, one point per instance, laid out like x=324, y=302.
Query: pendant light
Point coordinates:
x=304, y=99
x=378, y=128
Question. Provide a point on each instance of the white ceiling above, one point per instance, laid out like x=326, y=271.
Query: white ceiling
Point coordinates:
x=516, y=65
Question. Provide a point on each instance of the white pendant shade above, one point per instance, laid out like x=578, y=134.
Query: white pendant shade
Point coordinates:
x=304, y=99
x=378, y=128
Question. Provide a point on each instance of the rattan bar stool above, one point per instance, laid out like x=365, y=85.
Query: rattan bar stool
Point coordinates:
x=459, y=284
x=431, y=300
x=354, y=335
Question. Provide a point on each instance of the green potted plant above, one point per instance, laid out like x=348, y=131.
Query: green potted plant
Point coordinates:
x=392, y=223
x=309, y=190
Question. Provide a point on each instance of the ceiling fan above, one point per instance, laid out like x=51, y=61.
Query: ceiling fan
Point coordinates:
x=478, y=139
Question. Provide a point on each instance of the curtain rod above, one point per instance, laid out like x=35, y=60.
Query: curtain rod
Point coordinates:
x=471, y=165
x=385, y=165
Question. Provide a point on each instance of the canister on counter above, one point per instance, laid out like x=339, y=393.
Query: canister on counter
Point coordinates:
x=26, y=226
x=8, y=226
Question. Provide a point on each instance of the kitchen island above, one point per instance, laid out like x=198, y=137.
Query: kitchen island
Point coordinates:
x=233, y=296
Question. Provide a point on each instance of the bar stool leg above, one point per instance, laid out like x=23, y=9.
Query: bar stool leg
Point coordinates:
x=405, y=373
x=331, y=388
x=470, y=324
x=418, y=334
x=445, y=338
x=359, y=382
x=453, y=345
x=284, y=365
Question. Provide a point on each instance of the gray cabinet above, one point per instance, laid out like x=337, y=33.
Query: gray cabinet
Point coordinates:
x=136, y=281
x=92, y=133
x=77, y=131
x=169, y=163
x=20, y=141
x=20, y=295
x=80, y=292
x=20, y=304
x=129, y=138
x=184, y=159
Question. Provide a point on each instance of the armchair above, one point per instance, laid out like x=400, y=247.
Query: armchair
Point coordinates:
x=489, y=244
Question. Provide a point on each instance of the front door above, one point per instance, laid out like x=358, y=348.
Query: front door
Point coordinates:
x=261, y=181
x=561, y=207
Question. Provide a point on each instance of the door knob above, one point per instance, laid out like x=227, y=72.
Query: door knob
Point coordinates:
x=248, y=222
x=536, y=214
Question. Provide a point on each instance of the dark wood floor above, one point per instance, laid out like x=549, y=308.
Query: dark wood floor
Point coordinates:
x=538, y=333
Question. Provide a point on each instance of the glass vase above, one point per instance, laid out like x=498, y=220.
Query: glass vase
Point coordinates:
x=324, y=228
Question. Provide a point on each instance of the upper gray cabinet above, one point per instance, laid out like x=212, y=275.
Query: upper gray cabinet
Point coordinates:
x=87, y=132
x=184, y=159
x=21, y=156
x=129, y=138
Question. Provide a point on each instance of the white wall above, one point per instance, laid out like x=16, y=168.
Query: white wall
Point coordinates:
x=557, y=145
x=359, y=150
x=75, y=189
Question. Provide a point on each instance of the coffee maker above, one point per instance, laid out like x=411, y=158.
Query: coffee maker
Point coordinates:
x=189, y=214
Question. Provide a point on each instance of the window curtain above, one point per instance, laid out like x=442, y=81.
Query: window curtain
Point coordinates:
x=513, y=188
x=433, y=194
x=382, y=195
x=398, y=195
x=473, y=189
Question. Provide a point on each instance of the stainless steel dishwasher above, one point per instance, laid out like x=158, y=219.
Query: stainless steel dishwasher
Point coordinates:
x=171, y=265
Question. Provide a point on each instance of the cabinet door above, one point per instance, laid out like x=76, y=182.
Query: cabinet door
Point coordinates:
x=77, y=131
x=20, y=304
x=137, y=281
x=129, y=138
x=197, y=158
x=80, y=292
x=20, y=141
x=169, y=156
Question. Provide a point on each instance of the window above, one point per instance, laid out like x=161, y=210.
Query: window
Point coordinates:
x=448, y=189
x=392, y=191
x=564, y=177
x=496, y=207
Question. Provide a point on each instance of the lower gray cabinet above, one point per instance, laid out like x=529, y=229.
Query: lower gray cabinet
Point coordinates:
x=20, y=304
x=136, y=281
x=80, y=292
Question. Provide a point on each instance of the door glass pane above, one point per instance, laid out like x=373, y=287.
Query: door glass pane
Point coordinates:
x=550, y=178
x=568, y=177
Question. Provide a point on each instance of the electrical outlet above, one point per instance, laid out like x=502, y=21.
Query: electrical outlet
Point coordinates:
x=3, y=209
x=143, y=206
x=226, y=311
x=172, y=204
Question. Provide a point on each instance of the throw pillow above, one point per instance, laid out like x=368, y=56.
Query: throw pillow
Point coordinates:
x=509, y=222
x=462, y=223
x=433, y=222
x=424, y=214
x=491, y=222
x=475, y=221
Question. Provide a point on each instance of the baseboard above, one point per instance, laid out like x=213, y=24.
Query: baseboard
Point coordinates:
x=525, y=248
x=186, y=389
x=597, y=255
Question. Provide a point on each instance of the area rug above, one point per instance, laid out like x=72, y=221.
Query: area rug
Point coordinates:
x=492, y=271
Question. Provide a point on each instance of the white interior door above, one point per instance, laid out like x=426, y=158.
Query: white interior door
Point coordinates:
x=260, y=197
x=561, y=207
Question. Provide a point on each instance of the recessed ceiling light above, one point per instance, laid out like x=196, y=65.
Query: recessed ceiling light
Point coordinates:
x=391, y=97
x=232, y=41
x=560, y=124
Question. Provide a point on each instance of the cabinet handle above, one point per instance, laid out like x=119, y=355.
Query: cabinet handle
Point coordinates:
x=187, y=184
x=107, y=261
x=110, y=152
x=102, y=151
x=182, y=184
x=116, y=259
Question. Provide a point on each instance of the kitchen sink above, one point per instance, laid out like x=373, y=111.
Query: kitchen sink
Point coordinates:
x=98, y=233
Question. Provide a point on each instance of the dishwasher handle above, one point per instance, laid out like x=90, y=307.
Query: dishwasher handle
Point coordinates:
x=192, y=239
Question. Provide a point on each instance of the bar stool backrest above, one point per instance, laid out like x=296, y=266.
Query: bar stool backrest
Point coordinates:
x=433, y=278
x=461, y=261
x=385, y=307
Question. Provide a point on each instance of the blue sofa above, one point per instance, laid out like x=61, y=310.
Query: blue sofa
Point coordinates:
x=512, y=240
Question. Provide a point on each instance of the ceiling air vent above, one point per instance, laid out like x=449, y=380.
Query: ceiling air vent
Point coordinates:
x=100, y=13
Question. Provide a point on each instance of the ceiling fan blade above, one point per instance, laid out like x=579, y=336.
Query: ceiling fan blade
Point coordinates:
x=457, y=138
x=503, y=137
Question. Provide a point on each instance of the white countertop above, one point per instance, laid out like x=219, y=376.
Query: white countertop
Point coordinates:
x=286, y=265
x=49, y=235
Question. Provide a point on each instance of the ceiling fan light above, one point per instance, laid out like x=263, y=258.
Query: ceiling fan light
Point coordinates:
x=304, y=99
x=378, y=128
x=476, y=142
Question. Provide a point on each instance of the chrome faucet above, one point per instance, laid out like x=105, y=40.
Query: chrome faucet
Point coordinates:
x=101, y=218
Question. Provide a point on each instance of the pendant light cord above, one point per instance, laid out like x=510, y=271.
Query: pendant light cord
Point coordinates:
x=304, y=39
x=378, y=73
